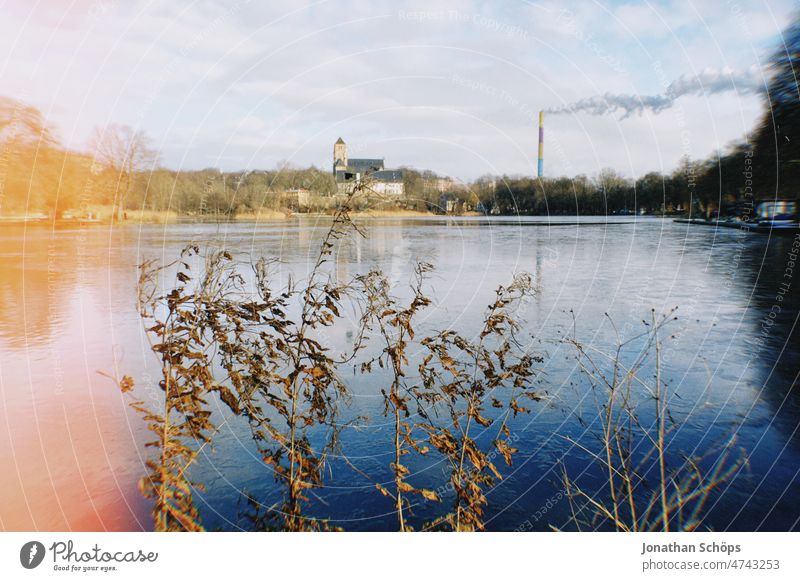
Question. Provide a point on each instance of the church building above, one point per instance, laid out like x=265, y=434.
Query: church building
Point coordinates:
x=347, y=171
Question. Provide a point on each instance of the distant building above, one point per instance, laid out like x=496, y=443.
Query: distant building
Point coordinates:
x=449, y=203
x=448, y=184
x=348, y=171
x=297, y=198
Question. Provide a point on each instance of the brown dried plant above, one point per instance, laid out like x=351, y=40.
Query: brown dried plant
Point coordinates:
x=181, y=327
x=395, y=325
x=286, y=381
x=640, y=491
x=212, y=336
x=479, y=384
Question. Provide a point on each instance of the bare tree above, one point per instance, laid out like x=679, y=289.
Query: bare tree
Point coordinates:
x=19, y=121
x=29, y=156
x=123, y=152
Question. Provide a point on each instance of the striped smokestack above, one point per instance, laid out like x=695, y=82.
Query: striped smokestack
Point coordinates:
x=541, y=144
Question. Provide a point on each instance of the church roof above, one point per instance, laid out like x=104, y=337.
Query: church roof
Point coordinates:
x=340, y=141
x=388, y=175
x=365, y=163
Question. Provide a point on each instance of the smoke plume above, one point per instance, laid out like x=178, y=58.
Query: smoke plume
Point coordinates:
x=709, y=82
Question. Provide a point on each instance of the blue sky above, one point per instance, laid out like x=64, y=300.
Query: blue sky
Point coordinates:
x=452, y=86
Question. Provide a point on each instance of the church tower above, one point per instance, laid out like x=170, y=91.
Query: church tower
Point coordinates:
x=339, y=155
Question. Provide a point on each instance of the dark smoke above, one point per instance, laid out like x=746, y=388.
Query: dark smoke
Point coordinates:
x=707, y=83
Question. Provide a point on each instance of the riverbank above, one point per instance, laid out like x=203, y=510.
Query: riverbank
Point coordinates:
x=391, y=214
x=782, y=227
x=94, y=215
x=105, y=215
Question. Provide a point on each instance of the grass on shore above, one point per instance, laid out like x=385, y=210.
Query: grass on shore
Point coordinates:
x=264, y=214
x=104, y=214
x=388, y=213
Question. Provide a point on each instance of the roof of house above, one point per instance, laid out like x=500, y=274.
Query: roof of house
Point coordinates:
x=388, y=175
x=374, y=164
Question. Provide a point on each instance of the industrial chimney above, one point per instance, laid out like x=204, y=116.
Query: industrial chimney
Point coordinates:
x=541, y=144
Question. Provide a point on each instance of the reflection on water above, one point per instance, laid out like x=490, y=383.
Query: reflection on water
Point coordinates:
x=67, y=455
x=70, y=451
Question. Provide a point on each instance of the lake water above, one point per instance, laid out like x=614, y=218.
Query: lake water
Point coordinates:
x=70, y=451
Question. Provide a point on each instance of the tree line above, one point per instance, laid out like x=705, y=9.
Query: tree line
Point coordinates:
x=122, y=170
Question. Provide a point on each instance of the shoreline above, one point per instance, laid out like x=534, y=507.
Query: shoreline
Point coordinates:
x=103, y=217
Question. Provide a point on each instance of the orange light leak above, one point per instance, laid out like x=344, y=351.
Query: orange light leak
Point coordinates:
x=69, y=458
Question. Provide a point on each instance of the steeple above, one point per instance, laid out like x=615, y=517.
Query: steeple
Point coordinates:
x=339, y=155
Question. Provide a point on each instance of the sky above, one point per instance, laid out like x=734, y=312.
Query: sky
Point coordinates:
x=454, y=86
